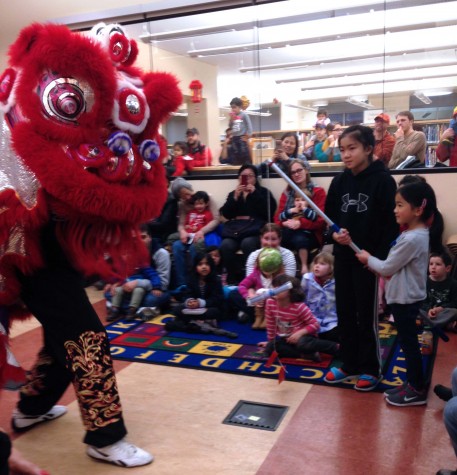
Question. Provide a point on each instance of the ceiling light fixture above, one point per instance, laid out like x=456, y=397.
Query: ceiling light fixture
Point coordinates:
x=250, y=112
x=294, y=106
x=423, y=97
x=363, y=25
x=438, y=92
x=340, y=58
x=361, y=101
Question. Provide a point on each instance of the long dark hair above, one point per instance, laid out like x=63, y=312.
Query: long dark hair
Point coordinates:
x=421, y=195
x=197, y=259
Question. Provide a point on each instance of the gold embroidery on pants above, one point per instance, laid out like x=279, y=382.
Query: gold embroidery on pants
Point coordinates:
x=95, y=383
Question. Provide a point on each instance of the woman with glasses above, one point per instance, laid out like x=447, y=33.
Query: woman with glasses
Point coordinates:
x=328, y=150
x=302, y=228
x=285, y=151
x=247, y=208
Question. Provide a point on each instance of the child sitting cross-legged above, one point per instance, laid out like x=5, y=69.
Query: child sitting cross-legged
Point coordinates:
x=134, y=289
x=291, y=327
x=204, y=297
x=441, y=287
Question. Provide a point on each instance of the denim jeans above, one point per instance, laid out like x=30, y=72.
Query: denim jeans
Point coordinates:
x=450, y=413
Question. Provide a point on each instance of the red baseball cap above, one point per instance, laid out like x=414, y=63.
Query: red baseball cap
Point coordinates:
x=383, y=117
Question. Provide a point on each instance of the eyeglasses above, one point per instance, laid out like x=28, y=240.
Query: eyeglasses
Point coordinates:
x=249, y=175
x=297, y=171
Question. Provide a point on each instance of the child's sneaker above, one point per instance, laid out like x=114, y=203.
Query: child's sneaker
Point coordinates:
x=367, y=382
x=408, y=397
x=22, y=422
x=121, y=453
x=337, y=375
x=396, y=389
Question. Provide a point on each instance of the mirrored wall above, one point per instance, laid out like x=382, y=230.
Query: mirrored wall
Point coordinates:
x=290, y=58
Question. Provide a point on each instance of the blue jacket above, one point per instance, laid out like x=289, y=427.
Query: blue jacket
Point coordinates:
x=321, y=301
x=149, y=274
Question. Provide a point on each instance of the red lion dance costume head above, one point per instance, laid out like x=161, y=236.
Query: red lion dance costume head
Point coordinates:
x=80, y=144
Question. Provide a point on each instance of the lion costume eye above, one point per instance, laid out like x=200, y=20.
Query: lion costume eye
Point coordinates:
x=64, y=98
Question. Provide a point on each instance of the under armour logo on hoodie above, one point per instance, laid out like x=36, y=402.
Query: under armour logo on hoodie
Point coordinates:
x=361, y=206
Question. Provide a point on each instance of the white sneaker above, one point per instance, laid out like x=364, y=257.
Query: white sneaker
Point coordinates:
x=121, y=453
x=21, y=422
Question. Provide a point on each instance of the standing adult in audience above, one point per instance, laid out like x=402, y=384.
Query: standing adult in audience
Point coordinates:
x=248, y=207
x=228, y=156
x=407, y=140
x=200, y=153
x=285, y=151
x=384, y=142
x=302, y=228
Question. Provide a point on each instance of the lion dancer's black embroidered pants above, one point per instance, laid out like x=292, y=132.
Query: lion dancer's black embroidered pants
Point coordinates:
x=76, y=349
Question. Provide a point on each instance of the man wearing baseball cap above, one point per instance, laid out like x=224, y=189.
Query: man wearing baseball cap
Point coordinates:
x=320, y=129
x=200, y=153
x=384, y=142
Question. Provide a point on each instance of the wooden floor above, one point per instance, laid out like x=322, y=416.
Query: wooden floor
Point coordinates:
x=177, y=414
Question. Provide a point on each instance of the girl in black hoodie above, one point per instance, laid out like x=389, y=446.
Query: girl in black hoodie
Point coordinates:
x=361, y=200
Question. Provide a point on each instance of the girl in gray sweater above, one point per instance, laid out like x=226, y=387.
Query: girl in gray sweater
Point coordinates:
x=405, y=270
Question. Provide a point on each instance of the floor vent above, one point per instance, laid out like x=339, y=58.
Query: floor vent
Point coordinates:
x=256, y=415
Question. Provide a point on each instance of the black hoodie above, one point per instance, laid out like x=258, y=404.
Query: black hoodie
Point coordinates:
x=364, y=205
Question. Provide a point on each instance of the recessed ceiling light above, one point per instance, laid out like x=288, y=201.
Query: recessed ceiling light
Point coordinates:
x=438, y=92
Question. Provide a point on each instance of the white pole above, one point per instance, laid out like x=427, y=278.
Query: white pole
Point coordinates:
x=334, y=227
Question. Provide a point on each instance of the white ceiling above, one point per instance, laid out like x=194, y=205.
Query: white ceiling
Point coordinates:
x=307, y=51
x=300, y=51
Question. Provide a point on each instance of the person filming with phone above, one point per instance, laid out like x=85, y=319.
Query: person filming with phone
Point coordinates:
x=286, y=149
x=247, y=208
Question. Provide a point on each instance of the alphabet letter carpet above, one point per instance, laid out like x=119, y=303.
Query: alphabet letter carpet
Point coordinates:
x=149, y=342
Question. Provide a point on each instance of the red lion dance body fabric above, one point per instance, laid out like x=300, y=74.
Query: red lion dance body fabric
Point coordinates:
x=80, y=168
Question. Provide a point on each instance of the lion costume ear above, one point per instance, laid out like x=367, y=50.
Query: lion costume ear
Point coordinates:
x=22, y=47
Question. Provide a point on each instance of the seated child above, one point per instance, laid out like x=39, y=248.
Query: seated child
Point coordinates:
x=181, y=163
x=203, y=298
x=291, y=326
x=149, y=295
x=199, y=216
x=133, y=289
x=157, y=299
x=319, y=290
x=269, y=264
x=441, y=287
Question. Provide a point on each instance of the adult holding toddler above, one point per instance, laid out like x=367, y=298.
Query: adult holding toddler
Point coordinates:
x=302, y=227
x=182, y=190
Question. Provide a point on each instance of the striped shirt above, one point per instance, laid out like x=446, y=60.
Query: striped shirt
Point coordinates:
x=283, y=321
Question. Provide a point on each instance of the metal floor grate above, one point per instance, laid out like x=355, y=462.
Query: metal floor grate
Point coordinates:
x=256, y=415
